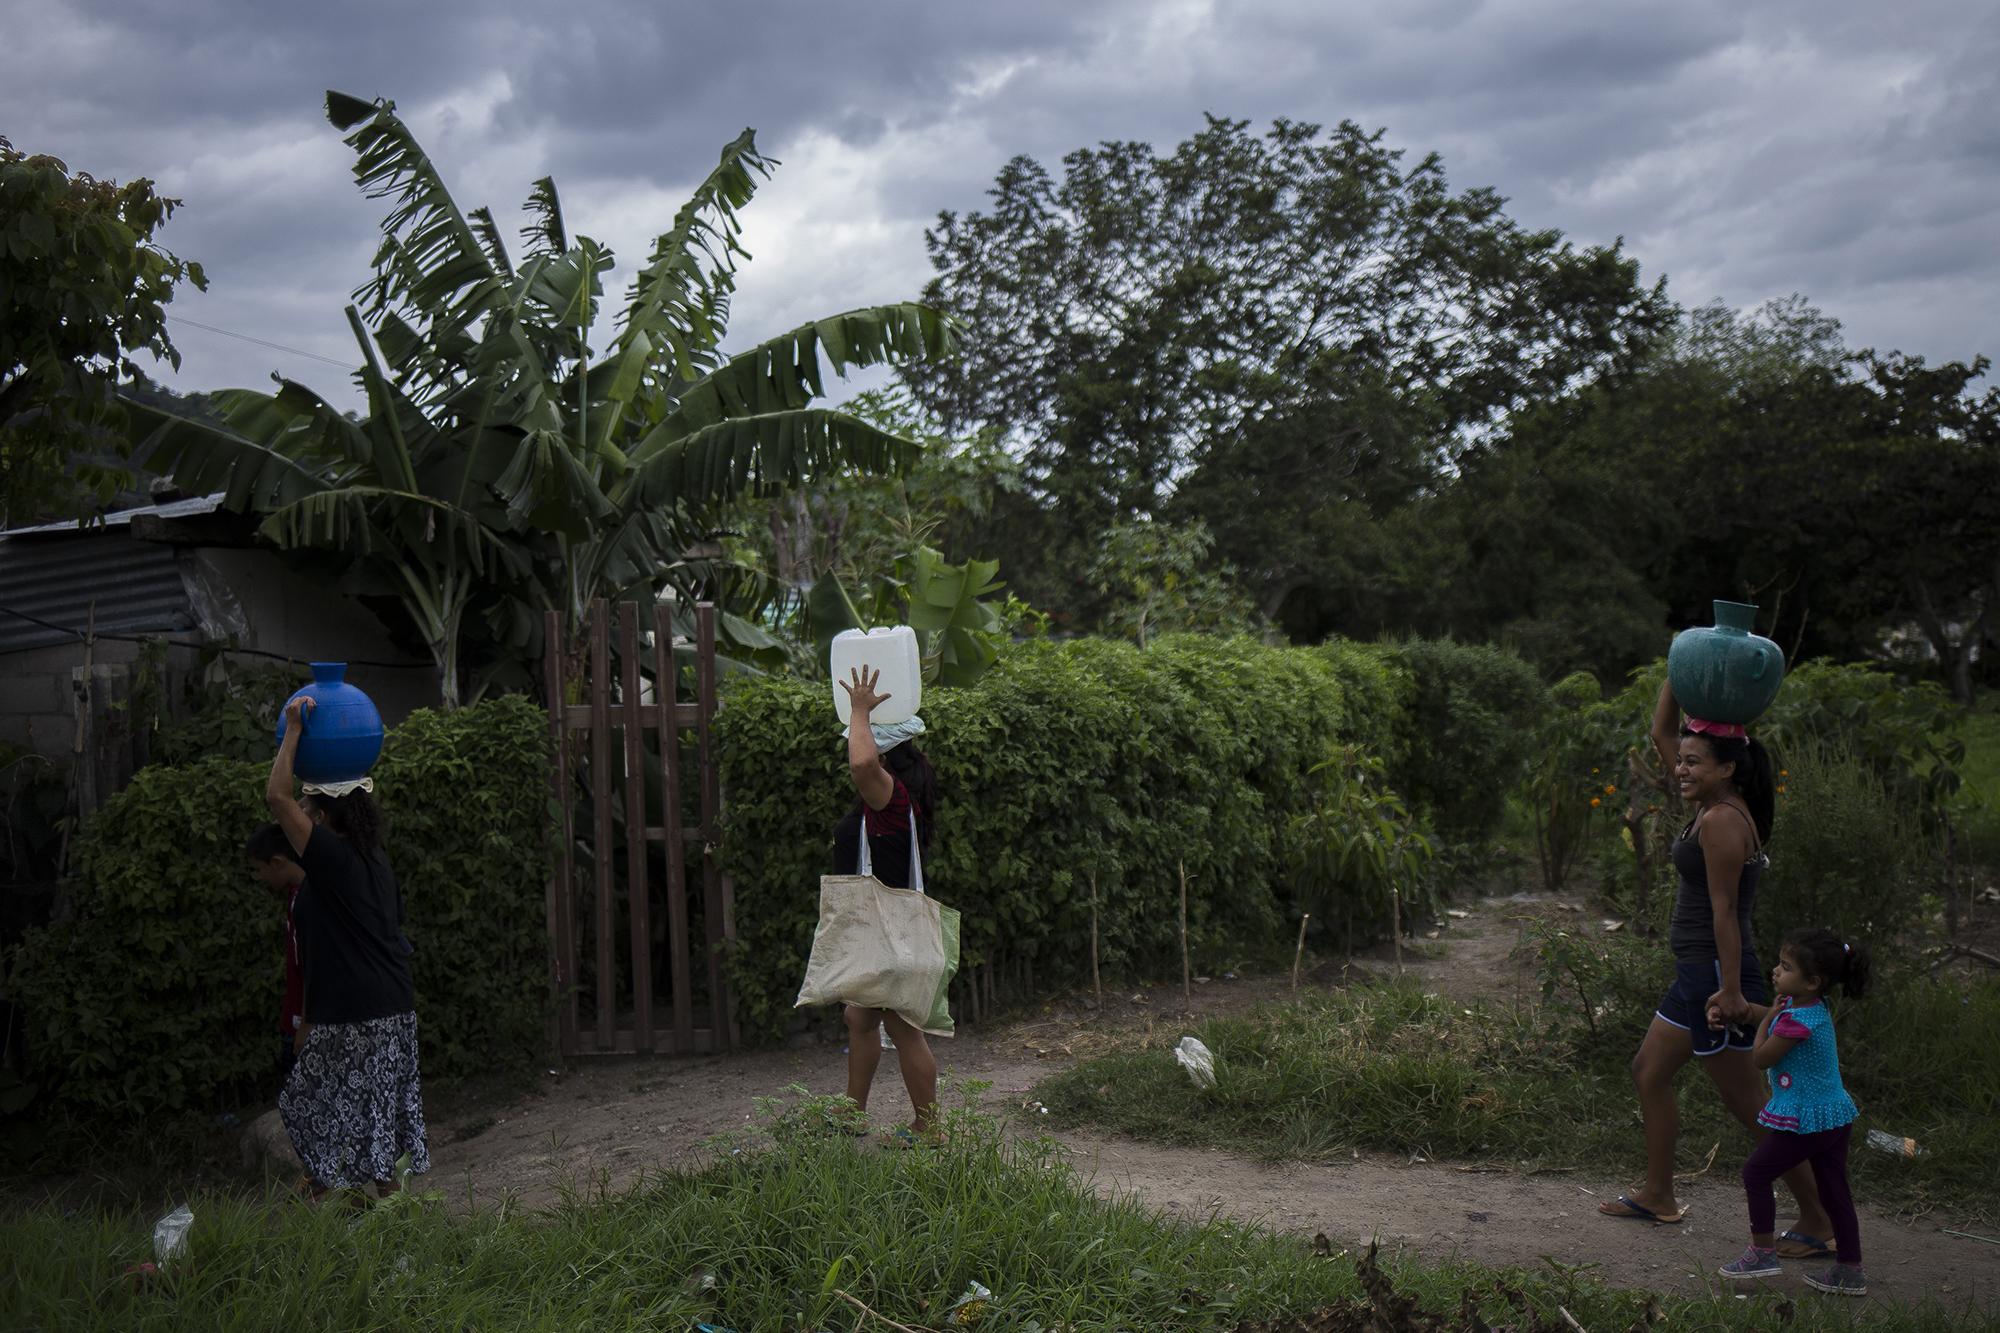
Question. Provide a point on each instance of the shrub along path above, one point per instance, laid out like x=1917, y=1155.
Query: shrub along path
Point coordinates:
x=603, y=1125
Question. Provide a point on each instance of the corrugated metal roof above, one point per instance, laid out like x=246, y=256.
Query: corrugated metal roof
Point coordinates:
x=187, y=508
x=135, y=585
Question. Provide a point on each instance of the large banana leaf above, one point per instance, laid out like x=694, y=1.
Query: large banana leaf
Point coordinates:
x=754, y=453
x=488, y=233
x=548, y=488
x=203, y=458
x=431, y=257
x=679, y=301
x=945, y=605
x=545, y=235
x=433, y=272
x=784, y=372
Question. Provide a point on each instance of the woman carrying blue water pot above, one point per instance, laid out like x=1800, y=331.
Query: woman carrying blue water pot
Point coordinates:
x=1719, y=859
x=353, y=1104
x=886, y=833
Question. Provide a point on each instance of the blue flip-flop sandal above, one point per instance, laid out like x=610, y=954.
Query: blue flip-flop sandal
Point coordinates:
x=1639, y=1212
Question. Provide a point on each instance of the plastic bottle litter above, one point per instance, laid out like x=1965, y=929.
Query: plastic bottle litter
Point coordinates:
x=970, y=1308
x=1883, y=1141
x=1198, y=1060
x=170, y=1234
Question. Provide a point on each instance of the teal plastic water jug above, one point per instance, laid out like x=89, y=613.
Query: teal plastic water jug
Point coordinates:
x=1726, y=673
x=342, y=735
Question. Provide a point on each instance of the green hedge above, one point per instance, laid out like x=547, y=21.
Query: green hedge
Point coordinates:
x=1468, y=729
x=159, y=989
x=1069, y=760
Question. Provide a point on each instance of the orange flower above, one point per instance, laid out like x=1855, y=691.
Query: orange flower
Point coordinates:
x=1784, y=772
x=1611, y=790
x=1594, y=802
x=1781, y=789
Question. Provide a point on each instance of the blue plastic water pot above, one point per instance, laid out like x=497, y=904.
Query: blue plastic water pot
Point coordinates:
x=342, y=736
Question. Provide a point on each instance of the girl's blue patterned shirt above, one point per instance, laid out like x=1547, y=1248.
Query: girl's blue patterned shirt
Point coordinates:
x=1807, y=1095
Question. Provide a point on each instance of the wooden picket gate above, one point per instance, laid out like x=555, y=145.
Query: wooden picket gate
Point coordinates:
x=620, y=1018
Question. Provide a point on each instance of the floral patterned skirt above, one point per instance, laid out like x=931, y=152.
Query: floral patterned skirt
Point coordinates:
x=353, y=1104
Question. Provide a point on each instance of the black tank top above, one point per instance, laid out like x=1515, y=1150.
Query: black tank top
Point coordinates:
x=1691, y=933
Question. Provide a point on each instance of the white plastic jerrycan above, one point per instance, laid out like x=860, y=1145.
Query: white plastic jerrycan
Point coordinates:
x=889, y=649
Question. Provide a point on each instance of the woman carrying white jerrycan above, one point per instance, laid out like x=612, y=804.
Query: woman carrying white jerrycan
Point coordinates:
x=896, y=799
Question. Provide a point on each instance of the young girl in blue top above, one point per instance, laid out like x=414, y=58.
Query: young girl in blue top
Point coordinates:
x=1809, y=1113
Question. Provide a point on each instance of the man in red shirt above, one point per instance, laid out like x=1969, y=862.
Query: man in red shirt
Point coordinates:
x=271, y=862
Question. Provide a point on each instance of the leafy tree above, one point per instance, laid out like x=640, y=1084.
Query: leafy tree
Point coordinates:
x=1849, y=494
x=83, y=289
x=1849, y=501
x=503, y=467
x=1158, y=577
x=1915, y=513
x=1279, y=334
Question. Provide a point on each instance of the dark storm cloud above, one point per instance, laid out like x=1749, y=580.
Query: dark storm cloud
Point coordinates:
x=1843, y=149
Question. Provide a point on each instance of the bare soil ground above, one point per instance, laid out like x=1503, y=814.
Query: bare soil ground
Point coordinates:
x=601, y=1125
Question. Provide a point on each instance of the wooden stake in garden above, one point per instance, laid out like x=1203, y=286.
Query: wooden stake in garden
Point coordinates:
x=1187, y=967
x=1299, y=952
x=1396, y=925
x=1096, y=984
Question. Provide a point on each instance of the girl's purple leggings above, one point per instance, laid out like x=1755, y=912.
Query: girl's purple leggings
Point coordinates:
x=1780, y=1151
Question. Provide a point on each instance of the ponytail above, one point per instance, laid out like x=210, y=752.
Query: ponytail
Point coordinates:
x=1834, y=961
x=354, y=817
x=1756, y=779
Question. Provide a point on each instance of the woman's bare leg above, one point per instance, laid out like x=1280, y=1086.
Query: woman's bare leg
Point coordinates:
x=1660, y=1057
x=913, y=1053
x=864, y=1053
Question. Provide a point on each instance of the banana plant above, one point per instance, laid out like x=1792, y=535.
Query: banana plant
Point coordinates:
x=958, y=634
x=503, y=469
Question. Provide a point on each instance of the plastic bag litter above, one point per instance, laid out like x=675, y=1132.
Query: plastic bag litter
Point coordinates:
x=1198, y=1060
x=170, y=1234
x=970, y=1308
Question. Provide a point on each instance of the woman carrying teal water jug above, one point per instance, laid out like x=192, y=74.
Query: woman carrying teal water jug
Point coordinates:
x=1713, y=763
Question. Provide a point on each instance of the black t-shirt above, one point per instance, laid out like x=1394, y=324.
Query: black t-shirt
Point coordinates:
x=349, y=917
x=888, y=839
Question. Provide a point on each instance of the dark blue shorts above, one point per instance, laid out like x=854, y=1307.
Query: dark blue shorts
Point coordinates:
x=1686, y=1004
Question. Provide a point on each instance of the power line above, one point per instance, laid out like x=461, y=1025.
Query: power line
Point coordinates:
x=261, y=342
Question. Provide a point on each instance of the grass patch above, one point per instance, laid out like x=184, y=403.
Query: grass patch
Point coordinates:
x=1383, y=1067
x=766, y=1240
x=1387, y=1067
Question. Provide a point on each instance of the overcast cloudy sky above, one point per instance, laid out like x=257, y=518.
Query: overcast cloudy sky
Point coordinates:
x=1848, y=150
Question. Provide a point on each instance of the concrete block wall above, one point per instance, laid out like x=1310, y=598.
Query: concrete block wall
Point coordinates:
x=266, y=605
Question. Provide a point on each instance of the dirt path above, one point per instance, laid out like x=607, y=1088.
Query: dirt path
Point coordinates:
x=602, y=1124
